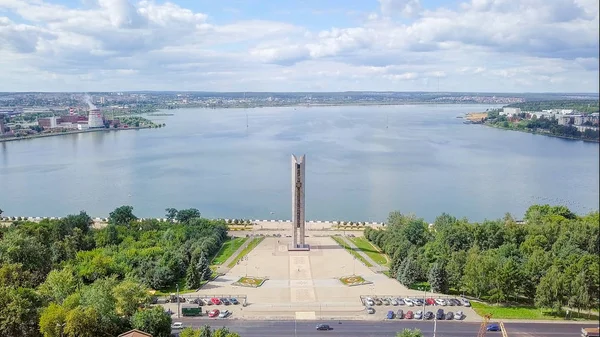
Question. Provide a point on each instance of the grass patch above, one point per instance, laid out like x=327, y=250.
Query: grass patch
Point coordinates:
x=248, y=249
x=227, y=249
x=371, y=251
x=417, y=285
x=354, y=253
x=252, y=282
x=527, y=312
x=354, y=280
x=173, y=289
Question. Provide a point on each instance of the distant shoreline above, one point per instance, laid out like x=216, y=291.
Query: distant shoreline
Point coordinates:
x=5, y=140
x=543, y=134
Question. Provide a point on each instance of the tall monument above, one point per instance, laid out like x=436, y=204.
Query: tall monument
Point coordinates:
x=298, y=220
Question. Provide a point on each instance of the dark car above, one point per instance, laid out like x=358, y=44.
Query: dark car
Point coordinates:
x=390, y=315
x=493, y=327
x=225, y=301
x=428, y=315
x=456, y=302
x=378, y=301
x=449, y=315
x=234, y=301
x=323, y=327
x=400, y=314
x=440, y=314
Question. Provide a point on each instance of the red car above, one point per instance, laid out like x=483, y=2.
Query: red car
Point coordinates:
x=430, y=301
x=409, y=315
x=213, y=313
x=215, y=301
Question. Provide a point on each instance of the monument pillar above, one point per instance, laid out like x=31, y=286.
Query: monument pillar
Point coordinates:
x=298, y=219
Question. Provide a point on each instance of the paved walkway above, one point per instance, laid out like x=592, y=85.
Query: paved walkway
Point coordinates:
x=376, y=267
x=224, y=268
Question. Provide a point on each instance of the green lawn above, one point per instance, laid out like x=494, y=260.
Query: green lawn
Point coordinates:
x=227, y=249
x=173, y=289
x=372, y=252
x=354, y=253
x=526, y=312
x=248, y=249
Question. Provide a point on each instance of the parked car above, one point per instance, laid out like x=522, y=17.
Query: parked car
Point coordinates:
x=409, y=315
x=456, y=302
x=215, y=301
x=492, y=327
x=428, y=315
x=225, y=301
x=449, y=315
x=323, y=327
x=418, y=301
x=430, y=301
x=440, y=301
x=177, y=325
x=390, y=315
x=465, y=302
x=440, y=314
x=400, y=314
x=370, y=303
x=385, y=301
x=224, y=314
x=458, y=315
x=234, y=301
x=400, y=301
x=449, y=302
x=207, y=301
x=409, y=302
x=419, y=314
x=213, y=313
x=378, y=301
x=370, y=310
x=393, y=302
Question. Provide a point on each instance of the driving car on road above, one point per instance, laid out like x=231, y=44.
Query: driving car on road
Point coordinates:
x=323, y=327
x=177, y=325
x=492, y=327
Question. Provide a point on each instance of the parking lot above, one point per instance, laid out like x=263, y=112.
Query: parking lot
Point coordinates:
x=381, y=306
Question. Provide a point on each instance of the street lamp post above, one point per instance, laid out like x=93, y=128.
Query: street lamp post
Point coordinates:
x=178, y=306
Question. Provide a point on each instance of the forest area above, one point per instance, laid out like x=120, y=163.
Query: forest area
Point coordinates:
x=550, y=261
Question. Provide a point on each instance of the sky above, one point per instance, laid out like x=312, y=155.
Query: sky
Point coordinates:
x=300, y=45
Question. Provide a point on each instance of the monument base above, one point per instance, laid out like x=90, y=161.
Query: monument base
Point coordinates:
x=303, y=248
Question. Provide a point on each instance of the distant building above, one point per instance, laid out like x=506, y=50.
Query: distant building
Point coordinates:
x=1, y=124
x=48, y=122
x=102, y=100
x=510, y=111
x=95, y=119
x=564, y=120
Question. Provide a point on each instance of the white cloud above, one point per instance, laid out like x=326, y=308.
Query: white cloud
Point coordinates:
x=481, y=45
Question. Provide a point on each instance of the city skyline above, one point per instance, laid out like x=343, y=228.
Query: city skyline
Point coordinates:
x=334, y=46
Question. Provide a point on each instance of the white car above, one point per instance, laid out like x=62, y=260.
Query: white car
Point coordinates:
x=418, y=315
x=440, y=301
x=370, y=303
x=409, y=302
x=224, y=314
x=458, y=315
x=370, y=310
x=465, y=302
x=177, y=325
x=393, y=301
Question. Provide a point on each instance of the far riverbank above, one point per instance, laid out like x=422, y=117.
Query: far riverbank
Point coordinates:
x=4, y=140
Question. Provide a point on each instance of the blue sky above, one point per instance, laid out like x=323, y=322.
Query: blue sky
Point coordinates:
x=302, y=45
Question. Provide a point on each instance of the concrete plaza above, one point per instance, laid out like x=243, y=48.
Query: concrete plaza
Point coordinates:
x=305, y=285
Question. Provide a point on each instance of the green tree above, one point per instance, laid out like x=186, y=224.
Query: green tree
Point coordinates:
x=409, y=271
x=154, y=321
x=122, y=216
x=12, y=275
x=53, y=320
x=19, y=312
x=192, y=281
x=221, y=332
x=59, y=284
x=83, y=322
x=189, y=332
x=18, y=247
x=410, y=333
x=171, y=214
x=107, y=236
x=186, y=215
x=205, y=331
x=203, y=268
x=130, y=296
x=550, y=292
x=438, y=279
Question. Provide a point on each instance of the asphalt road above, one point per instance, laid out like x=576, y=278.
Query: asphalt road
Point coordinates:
x=380, y=329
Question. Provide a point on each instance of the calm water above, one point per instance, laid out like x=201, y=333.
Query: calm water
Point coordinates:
x=424, y=162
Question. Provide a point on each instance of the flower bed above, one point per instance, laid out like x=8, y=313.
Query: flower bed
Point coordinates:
x=252, y=282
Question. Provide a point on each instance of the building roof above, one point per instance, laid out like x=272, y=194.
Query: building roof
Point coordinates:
x=135, y=333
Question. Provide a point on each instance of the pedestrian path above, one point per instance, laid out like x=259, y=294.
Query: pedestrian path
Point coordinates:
x=375, y=267
x=224, y=268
